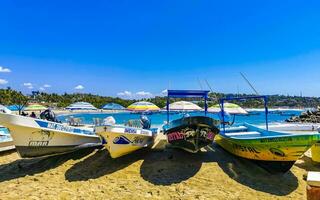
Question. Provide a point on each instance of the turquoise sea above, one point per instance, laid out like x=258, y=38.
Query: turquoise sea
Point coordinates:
x=157, y=119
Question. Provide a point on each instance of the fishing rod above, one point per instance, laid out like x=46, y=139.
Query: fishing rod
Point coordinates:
x=243, y=76
x=200, y=84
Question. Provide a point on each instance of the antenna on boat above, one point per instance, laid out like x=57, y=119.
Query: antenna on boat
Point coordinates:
x=243, y=76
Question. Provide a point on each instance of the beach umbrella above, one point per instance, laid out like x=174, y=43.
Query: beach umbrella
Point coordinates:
x=230, y=108
x=81, y=106
x=184, y=105
x=15, y=107
x=35, y=107
x=113, y=106
x=143, y=106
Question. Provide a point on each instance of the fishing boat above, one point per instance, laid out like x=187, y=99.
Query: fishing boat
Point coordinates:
x=37, y=137
x=190, y=133
x=275, y=150
x=6, y=142
x=122, y=140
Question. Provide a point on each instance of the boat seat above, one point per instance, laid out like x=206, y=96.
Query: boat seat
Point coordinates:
x=243, y=133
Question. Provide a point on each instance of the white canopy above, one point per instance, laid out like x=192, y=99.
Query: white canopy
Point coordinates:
x=184, y=105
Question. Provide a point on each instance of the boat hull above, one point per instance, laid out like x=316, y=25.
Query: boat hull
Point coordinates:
x=276, y=153
x=288, y=148
x=35, y=137
x=121, y=140
x=191, y=133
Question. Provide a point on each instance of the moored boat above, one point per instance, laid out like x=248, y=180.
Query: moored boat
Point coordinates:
x=274, y=150
x=36, y=137
x=122, y=140
x=6, y=142
x=190, y=133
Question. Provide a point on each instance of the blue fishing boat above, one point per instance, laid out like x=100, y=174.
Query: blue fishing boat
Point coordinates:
x=190, y=133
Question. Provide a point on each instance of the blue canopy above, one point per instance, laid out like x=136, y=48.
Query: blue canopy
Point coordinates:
x=15, y=107
x=113, y=106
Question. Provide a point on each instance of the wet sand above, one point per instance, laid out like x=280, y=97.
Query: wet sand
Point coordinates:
x=145, y=174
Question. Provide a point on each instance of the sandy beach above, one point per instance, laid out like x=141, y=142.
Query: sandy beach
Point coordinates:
x=145, y=174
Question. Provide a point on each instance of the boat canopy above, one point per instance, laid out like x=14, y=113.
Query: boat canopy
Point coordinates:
x=81, y=106
x=187, y=94
x=222, y=106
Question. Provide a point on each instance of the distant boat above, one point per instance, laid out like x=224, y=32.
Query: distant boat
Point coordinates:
x=275, y=150
x=36, y=137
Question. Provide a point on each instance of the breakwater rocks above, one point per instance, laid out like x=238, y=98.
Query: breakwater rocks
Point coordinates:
x=306, y=117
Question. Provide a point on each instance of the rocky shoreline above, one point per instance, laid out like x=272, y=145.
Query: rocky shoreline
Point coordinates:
x=306, y=117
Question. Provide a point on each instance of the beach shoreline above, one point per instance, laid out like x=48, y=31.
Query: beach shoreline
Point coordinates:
x=168, y=174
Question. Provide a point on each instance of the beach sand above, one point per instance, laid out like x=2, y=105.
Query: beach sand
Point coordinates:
x=146, y=174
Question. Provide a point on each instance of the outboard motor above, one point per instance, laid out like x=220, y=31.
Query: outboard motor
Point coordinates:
x=109, y=121
x=145, y=122
x=227, y=118
x=48, y=115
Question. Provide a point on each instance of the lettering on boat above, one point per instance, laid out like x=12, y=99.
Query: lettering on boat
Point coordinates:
x=60, y=127
x=284, y=139
x=176, y=136
x=144, y=132
x=206, y=133
x=130, y=130
x=138, y=140
x=277, y=152
x=245, y=148
x=40, y=138
x=38, y=143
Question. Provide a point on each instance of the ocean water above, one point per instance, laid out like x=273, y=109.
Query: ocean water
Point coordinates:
x=158, y=119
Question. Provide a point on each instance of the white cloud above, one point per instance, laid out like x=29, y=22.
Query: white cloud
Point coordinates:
x=42, y=88
x=4, y=70
x=3, y=82
x=79, y=87
x=125, y=94
x=46, y=85
x=28, y=85
x=144, y=94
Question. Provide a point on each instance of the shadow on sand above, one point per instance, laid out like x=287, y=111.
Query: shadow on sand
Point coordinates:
x=170, y=166
x=174, y=166
x=100, y=164
x=32, y=166
x=251, y=175
x=307, y=164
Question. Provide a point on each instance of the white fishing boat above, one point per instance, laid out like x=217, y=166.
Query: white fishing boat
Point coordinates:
x=36, y=137
x=122, y=140
x=6, y=142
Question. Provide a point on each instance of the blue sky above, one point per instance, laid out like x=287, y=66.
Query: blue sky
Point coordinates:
x=144, y=47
